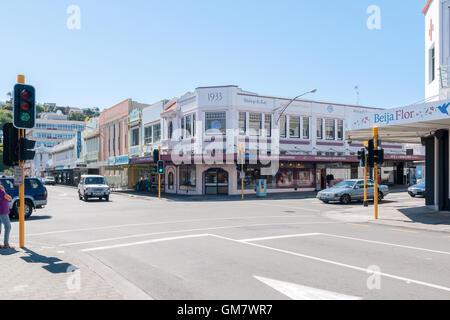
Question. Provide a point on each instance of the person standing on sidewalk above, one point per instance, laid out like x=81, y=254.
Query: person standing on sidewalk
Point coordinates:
x=4, y=216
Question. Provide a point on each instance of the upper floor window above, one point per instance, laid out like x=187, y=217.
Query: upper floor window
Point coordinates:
x=157, y=132
x=432, y=64
x=283, y=127
x=294, y=127
x=188, y=120
x=148, y=135
x=268, y=125
x=305, y=128
x=242, y=123
x=170, y=130
x=255, y=124
x=330, y=129
x=340, y=129
x=320, y=129
x=216, y=123
x=135, y=137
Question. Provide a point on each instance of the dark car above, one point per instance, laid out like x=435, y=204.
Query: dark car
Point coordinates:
x=35, y=196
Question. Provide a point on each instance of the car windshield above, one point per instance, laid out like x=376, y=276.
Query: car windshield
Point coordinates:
x=345, y=184
x=94, y=181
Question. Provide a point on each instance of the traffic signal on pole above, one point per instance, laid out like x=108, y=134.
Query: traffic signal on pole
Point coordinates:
x=362, y=157
x=161, y=167
x=10, y=145
x=155, y=155
x=379, y=156
x=26, y=149
x=24, y=106
x=371, y=154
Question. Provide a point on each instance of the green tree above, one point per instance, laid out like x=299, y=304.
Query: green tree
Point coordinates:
x=76, y=116
x=5, y=117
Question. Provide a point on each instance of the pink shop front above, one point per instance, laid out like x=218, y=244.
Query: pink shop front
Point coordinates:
x=304, y=173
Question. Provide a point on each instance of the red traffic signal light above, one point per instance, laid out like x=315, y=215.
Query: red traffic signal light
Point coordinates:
x=25, y=106
x=25, y=94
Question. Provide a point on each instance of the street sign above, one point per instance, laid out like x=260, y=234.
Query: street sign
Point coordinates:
x=18, y=176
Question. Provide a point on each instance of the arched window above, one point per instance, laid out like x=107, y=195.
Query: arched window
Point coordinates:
x=171, y=182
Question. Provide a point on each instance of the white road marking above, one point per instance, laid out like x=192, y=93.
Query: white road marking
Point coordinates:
x=343, y=237
x=282, y=237
x=298, y=292
x=348, y=266
x=145, y=242
x=191, y=230
x=288, y=207
x=165, y=222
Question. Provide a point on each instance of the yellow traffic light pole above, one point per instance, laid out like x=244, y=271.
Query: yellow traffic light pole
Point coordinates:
x=21, y=80
x=375, y=196
x=159, y=175
x=366, y=204
x=241, y=154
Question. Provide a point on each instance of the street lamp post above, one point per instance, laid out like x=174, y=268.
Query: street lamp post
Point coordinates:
x=292, y=101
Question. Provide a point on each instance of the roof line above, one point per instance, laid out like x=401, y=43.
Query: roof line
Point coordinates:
x=427, y=6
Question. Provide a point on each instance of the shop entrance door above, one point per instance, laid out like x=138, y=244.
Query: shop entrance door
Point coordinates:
x=323, y=179
x=216, y=182
x=400, y=174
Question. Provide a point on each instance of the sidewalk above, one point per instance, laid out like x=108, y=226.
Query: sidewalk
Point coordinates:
x=46, y=273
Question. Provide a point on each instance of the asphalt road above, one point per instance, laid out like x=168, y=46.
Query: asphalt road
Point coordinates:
x=258, y=249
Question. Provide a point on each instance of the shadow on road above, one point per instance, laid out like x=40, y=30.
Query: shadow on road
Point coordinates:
x=8, y=252
x=52, y=264
x=426, y=215
x=32, y=218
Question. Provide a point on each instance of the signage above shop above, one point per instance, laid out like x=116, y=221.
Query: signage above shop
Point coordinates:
x=117, y=161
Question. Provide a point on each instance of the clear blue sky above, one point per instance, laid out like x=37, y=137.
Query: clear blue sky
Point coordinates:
x=150, y=49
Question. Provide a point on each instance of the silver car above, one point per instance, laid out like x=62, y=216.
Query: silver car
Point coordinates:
x=352, y=190
x=417, y=190
x=93, y=187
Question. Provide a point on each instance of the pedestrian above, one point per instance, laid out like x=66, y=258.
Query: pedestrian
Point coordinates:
x=4, y=216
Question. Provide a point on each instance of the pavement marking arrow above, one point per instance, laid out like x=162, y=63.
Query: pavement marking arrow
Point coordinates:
x=298, y=292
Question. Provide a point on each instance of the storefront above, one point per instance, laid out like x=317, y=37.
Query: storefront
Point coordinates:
x=116, y=172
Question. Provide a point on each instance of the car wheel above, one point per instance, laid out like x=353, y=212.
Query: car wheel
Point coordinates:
x=107, y=198
x=85, y=198
x=28, y=210
x=346, y=199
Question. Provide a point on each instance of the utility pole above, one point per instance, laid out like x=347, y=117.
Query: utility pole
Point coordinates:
x=159, y=175
x=21, y=80
x=366, y=203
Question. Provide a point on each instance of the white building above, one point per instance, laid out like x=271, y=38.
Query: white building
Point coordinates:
x=437, y=50
x=201, y=132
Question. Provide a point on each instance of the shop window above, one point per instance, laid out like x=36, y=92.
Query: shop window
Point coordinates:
x=170, y=182
x=294, y=127
x=216, y=123
x=251, y=175
x=255, y=124
x=268, y=125
x=283, y=127
x=242, y=123
x=330, y=129
x=285, y=178
x=187, y=178
x=340, y=129
x=305, y=128
x=135, y=137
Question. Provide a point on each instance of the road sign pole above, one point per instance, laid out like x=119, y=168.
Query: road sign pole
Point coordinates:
x=241, y=151
x=366, y=203
x=21, y=80
x=375, y=196
x=159, y=175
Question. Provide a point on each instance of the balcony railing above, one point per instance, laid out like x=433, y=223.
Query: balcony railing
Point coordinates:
x=444, y=76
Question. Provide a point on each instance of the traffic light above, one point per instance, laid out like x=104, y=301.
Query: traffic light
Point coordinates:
x=371, y=154
x=24, y=114
x=161, y=167
x=379, y=156
x=26, y=149
x=155, y=155
x=10, y=145
x=362, y=157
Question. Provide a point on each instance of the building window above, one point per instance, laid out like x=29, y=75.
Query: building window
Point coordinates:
x=135, y=137
x=255, y=124
x=148, y=136
x=330, y=129
x=216, y=123
x=242, y=123
x=340, y=129
x=183, y=128
x=157, y=133
x=432, y=64
x=170, y=183
x=305, y=128
x=188, y=120
x=283, y=127
x=170, y=133
x=193, y=125
x=294, y=127
x=187, y=178
x=268, y=125
x=319, y=129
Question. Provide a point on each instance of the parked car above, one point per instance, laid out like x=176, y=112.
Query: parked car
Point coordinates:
x=352, y=190
x=49, y=181
x=93, y=187
x=35, y=196
x=417, y=190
